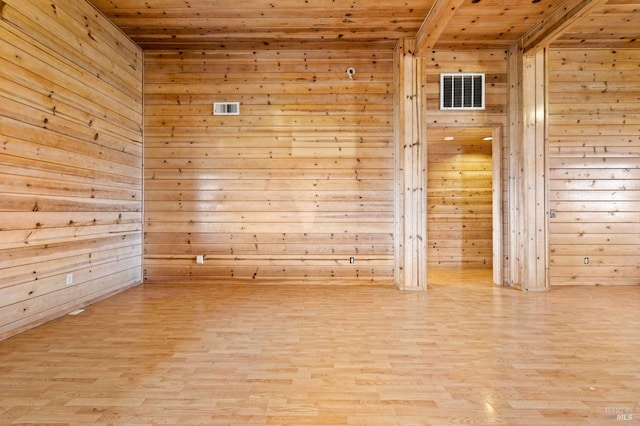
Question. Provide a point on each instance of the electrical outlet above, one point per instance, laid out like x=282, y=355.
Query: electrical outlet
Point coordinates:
x=352, y=260
x=200, y=259
x=586, y=260
x=69, y=279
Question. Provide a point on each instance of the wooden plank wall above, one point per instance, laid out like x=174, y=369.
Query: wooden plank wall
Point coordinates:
x=289, y=189
x=594, y=160
x=459, y=202
x=494, y=64
x=491, y=62
x=71, y=160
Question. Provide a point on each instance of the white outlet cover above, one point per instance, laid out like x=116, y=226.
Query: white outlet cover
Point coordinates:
x=69, y=279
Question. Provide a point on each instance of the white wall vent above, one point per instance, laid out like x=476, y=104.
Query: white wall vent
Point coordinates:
x=226, y=108
x=462, y=91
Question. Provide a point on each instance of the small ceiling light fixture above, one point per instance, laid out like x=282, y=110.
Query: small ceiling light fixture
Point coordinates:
x=449, y=138
x=487, y=138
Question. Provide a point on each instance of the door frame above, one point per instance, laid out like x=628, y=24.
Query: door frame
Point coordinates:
x=497, y=135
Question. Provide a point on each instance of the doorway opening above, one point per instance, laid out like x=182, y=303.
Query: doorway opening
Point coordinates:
x=463, y=205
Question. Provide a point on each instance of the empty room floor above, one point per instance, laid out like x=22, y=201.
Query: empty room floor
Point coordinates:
x=242, y=354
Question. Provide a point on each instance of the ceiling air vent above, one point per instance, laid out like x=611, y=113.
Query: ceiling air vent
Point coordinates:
x=461, y=91
x=226, y=108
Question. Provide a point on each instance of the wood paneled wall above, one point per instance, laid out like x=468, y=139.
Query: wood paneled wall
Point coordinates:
x=594, y=157
x=491, y=62
x=494, y=64
x=291, y=188
x=459, y=203
x=71, y=160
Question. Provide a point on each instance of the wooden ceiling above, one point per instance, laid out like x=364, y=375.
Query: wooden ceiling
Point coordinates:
x=282, y=24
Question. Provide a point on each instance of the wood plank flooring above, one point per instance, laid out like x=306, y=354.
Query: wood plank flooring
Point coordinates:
x=463, y=352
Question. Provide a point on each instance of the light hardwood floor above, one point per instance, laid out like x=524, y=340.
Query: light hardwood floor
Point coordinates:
x=463, y=352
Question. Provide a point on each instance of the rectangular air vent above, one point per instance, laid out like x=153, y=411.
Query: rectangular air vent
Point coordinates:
x=461, y=91
x=226, y=108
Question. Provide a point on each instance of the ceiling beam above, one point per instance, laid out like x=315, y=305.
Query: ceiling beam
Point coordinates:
x=434, y=24
x=568, y=13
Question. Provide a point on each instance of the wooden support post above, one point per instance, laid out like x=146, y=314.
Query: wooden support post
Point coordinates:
x=515, y=213
x=410, y=170
x=528, y=236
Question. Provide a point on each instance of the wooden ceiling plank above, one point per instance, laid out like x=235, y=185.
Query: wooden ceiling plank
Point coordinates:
x=563, y=17
x=378, y=24
x=254, y=4
x=261, y=13
x=434, y=24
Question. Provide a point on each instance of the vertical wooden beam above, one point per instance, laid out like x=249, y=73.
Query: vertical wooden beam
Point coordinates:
x=410, y=170
x=528, y=236
x=515, y=201
x=542, y=173
x=534, y=105
x=496, y=205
